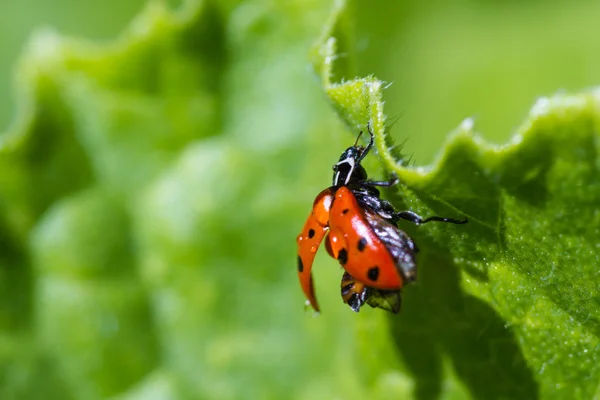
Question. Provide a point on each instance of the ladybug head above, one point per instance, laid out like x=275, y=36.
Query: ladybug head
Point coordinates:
x=348, y=168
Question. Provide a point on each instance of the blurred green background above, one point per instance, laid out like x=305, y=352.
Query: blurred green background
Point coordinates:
x=446, y=61
x=96, y=20
x=150, y=201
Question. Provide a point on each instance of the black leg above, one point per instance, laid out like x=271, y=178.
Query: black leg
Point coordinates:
x=393, y=181
x=415, y=218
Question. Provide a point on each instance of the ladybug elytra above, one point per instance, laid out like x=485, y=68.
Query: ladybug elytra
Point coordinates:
x=360, y=231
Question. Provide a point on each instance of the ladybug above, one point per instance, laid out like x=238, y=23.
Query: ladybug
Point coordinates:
x=360, y=231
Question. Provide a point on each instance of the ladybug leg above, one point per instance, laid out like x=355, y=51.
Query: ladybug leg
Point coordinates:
x=374, y=202
x=418, y=220
x=391, y=182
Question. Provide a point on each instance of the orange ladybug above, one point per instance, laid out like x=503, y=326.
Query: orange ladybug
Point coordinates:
x=360, y=231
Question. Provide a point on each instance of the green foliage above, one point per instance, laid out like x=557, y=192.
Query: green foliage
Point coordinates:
x=151, y=190
x=511, y=300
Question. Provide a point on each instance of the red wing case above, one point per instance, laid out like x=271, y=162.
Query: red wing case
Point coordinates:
x=354, y=241
x=310, y=239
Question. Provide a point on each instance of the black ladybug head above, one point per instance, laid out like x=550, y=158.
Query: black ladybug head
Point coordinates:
x=348, y=168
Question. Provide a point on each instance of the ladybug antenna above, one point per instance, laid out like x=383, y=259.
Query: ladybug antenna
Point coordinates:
x=369, y=146
x=358, y=137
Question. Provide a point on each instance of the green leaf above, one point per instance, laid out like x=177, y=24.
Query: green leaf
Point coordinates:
x=151, y=189
x=510, y=300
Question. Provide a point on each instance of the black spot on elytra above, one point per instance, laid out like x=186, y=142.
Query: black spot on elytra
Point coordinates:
x=300, y=265
x=343, y=256
x=345, y=211
x=373, y=273
x=311, y=233
x=362, y=243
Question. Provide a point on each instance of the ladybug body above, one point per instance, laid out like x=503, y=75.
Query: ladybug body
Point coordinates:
x=355, y=243
x=360, y=231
